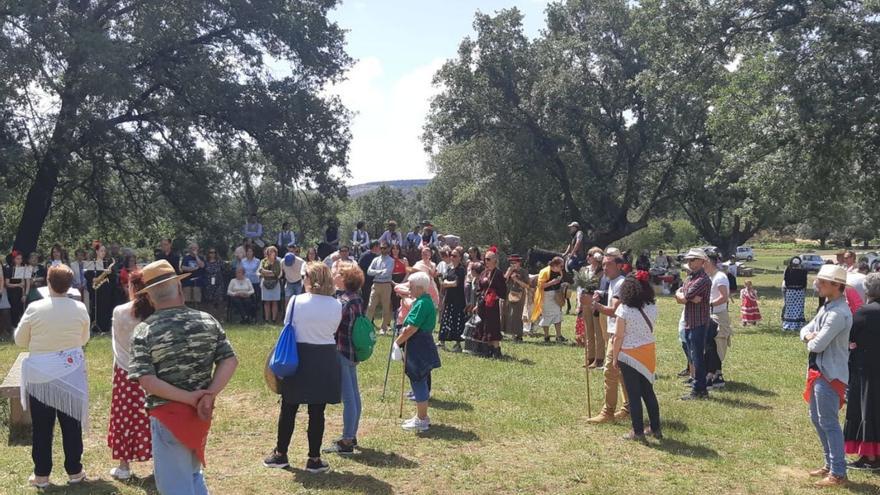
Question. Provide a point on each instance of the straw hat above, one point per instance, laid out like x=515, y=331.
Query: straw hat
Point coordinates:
x=696, y=254
x=159, y=272
x=613, y=252
x=832, y=273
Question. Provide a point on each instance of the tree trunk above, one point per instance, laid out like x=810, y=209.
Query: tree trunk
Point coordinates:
x=39, y=201
x=822, y=241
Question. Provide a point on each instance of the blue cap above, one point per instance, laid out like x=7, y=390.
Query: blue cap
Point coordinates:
x=289, y=258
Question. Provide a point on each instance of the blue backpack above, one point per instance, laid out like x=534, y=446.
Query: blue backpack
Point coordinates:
x=285, y=359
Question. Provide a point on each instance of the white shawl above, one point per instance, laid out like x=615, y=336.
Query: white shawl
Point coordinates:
x=57, y=379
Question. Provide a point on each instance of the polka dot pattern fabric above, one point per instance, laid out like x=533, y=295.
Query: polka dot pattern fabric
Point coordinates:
x=129, y=430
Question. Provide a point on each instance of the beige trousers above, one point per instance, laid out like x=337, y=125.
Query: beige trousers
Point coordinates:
x=380, y=295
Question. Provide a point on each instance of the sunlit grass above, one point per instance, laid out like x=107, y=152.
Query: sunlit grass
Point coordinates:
x=516, y=426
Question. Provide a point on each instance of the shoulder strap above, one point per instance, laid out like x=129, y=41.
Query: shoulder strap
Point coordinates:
x=647, y=320
x=292, y=307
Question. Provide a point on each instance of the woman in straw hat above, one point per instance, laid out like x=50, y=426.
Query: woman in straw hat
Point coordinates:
x=827, y=340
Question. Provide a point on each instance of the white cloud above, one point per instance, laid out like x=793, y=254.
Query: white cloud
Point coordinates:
x=387, y=126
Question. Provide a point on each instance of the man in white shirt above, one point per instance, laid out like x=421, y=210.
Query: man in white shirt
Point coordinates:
x=716, y=348
x=613, y=380
x=292, y=267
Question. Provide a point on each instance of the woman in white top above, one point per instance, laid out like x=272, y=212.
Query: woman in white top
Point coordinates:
x=315, y=315
x=53, y=376
x=128, y=432
x=634, y=351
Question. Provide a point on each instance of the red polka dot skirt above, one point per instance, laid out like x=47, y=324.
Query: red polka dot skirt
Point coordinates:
x=128, y=434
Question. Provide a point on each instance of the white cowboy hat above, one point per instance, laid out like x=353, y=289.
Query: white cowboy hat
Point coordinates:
x=832, y=273
x=696, y=254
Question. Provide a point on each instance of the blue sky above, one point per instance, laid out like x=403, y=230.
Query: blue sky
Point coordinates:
x=398, y=46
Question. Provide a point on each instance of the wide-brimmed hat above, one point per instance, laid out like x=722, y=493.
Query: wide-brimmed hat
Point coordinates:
x=696, y=254
x=574, y=224
x=514, y=258
x=159, y=272
x=832, y=273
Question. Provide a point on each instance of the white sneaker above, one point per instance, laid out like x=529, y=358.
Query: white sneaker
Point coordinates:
x=416, y=424
x=120, y=474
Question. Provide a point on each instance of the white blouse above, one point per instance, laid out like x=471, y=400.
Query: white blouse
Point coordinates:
x=315, y=318
x=637, y=332
x=122, y=328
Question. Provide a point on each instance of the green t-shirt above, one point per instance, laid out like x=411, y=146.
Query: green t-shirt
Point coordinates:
x=179, y=346
x=423, y=314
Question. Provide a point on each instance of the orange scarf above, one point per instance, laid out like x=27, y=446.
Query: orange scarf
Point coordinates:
x=837, y=385
x=184, y=423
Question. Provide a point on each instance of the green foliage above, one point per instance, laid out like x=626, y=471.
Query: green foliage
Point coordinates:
x=675, y=235
x=120, y=106
x=575, y=113
x=376, y=208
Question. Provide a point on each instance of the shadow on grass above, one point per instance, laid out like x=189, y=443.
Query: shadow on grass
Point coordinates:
x=739, y=403
x=446, y=432
x=450, y=405
x=339, y=480
x=870, y=488
x=675, y=425
x=748, y=388
x=90, y=487
x=379, y=459
x=513, y=359
x=679, y=448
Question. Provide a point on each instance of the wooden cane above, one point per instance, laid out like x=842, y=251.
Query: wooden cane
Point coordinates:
x=402, y=376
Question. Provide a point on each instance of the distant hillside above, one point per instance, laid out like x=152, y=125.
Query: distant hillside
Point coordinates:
x=402, y=185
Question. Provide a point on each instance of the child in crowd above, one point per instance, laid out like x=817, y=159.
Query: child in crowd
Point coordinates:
x=749, y=310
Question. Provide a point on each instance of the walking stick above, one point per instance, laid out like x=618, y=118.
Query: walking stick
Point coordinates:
x=402, y=376
x=388, y=365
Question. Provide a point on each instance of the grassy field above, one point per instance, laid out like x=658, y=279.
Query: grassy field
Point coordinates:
x=514, y=426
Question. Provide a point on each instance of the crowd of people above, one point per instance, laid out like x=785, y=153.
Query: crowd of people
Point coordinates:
x=171, y=359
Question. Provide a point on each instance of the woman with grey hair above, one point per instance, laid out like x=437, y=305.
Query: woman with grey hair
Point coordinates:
x=418, y=343
x=861, y=432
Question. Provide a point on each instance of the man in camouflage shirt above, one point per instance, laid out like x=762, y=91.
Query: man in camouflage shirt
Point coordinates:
x=182, y=359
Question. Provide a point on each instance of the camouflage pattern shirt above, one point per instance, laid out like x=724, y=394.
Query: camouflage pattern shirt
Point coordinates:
x=179, y=346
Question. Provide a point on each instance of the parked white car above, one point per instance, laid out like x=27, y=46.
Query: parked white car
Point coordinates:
x=745, y=253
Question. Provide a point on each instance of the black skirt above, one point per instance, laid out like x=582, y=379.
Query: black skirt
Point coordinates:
x=861, y=431
x=317, y=379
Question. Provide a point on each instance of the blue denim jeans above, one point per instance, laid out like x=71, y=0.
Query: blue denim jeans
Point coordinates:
x=421, y=389
x=351, y=398
x=176, y=468
x=293, y=289
x=696, y=338
x=824, y=408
